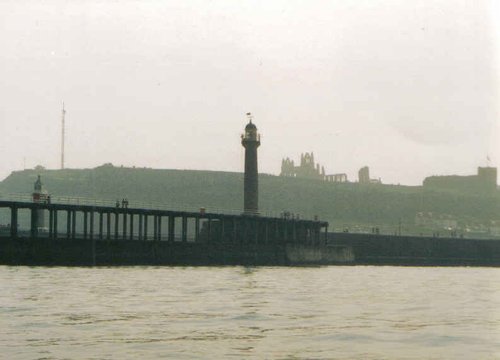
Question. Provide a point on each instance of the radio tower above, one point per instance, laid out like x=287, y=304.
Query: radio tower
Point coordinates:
x=62, y=137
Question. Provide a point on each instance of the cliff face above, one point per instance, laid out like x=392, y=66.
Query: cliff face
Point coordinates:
x=340, y=204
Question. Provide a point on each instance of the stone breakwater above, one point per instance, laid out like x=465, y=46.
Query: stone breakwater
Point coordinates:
x=339, y=249
x=81, y=252
x=371, y=249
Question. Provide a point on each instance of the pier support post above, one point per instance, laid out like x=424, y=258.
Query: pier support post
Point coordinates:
x=54, y=234
x=108, y=225
x=197, y=229
x=155, y=227
x=159, y=227
x=101, y=215
x=124, y=225
x=85, y=225
x=91, y=229
x=51, y=223
x=145, y=237
x=34, y=223
x=73, y=224
x=68, y=224
x=222, y=229
x=184, y=229
x=171, y=228
x=117, y=220
x=209, y=229
x=131, y=235
x=13, y=222
x=140, y=226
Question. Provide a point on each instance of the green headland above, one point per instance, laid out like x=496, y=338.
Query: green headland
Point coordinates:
x=353, y=207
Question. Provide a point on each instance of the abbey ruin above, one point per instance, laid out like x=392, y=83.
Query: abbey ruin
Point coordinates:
x=309, y=169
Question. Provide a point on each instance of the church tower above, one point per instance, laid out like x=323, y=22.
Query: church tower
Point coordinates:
x=251, y=141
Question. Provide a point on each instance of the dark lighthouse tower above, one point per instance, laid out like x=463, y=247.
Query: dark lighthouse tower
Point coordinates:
x=251, y=141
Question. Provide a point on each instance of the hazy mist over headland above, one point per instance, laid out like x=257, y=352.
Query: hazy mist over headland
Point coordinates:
x=408, y=88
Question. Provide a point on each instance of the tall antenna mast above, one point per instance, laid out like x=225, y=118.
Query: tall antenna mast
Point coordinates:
x=62, y=137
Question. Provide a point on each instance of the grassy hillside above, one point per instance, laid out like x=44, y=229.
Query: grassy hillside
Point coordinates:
x=340, y=204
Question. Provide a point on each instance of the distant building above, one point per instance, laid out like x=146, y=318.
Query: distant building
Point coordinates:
x=443, y=221
x=487, y=177
x=484, y=182
x=336, y=178
x=309, y=169
x=364, y=176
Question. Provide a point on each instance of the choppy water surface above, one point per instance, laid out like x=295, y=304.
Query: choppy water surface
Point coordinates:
x=236, y=312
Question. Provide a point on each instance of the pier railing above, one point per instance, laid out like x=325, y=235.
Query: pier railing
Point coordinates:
x=152, y=205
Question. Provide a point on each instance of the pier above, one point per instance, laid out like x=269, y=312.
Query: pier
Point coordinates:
x=123, y=223
x=92, y=235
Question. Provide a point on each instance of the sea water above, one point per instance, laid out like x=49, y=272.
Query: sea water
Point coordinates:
x=355, y=312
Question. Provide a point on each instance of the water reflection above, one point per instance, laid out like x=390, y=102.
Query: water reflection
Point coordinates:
x=247, y=312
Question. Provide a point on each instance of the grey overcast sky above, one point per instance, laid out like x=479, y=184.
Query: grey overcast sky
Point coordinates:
x=409, y=88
